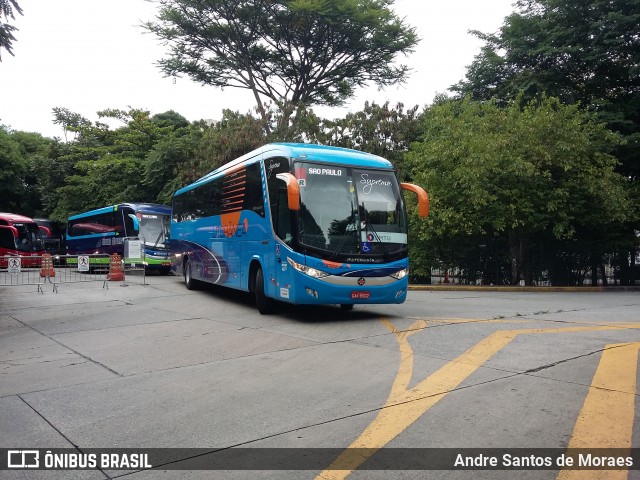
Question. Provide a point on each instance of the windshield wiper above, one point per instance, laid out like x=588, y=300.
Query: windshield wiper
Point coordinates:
x=335, y=252
x=155, y=244
x=369, y=226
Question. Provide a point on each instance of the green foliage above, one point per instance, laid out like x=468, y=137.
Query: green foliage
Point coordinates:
x=12, y=171
x=377, y=129
x=231, y=137
x=166, y=160
x=579, y=51
x=294, y=53
x=520, y=173
x=6, y=30
x=104, y=166
x=20, y=152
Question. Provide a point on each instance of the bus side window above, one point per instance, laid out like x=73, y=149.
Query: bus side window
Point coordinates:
x=253, y=195
x=7, y=240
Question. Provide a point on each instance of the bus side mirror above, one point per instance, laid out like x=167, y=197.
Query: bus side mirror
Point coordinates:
x=423, y=198
x=136, y=223
x=293, y=190
x=8, y=236
x=12, y=229
x=45, y=231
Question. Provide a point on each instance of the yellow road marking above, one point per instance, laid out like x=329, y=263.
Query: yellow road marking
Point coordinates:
x=606, y=418
x=404, y=406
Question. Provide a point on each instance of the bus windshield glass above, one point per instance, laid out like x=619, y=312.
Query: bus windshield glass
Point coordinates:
x=29, y=237
x=350, y=211
x=154, y=228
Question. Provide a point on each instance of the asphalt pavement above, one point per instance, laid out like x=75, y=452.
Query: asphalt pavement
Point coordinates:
x=156, y=366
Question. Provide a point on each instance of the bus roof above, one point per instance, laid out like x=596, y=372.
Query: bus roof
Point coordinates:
x=138, y=207
x=14, y=217
x=303, y=152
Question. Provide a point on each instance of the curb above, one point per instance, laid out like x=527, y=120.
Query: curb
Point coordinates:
x=508, y=288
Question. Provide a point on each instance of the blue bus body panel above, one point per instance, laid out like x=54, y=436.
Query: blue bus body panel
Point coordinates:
x=214, y=257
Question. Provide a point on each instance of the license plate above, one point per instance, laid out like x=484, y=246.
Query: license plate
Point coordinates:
x=360, y=295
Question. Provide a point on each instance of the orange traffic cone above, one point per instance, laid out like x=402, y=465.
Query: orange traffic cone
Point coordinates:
x=116, y=269
x=46, y=269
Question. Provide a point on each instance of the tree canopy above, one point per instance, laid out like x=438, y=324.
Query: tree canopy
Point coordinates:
x=293, y=53
x=584, y=52
x=521, y=174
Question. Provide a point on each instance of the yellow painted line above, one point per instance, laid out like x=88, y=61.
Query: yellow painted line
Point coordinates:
x=404, y=406
x=608, y=412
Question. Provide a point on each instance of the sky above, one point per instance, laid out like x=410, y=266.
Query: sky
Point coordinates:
x=92, y=55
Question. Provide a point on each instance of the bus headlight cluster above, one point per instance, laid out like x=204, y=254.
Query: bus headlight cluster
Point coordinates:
x=312, y=272
x=400, y=274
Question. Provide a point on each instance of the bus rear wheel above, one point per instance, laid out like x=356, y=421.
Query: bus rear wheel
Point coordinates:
x=264, y=303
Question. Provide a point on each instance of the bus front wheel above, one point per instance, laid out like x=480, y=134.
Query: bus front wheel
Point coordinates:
x=190, y=283
x=264, y=303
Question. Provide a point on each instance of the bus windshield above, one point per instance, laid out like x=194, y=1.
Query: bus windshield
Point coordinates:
x=29, y=237
x=350, y=212
x=154, y=228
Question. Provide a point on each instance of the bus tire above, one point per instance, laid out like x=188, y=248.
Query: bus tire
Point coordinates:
x=264, y=303
x=189, y=282
x=346, y=306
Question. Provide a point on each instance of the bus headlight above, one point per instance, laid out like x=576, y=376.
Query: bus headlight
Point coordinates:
x=312, y=272
x=400, y=274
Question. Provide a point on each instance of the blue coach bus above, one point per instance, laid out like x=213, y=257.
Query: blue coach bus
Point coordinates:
x=299, y=223
x=103, y=231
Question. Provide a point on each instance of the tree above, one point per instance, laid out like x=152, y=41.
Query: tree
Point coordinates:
x=166, y=161
x=20, y=152
x=33, y=149
x=6, y=30
x=104, y=165
x=521, y=174
x=377, y=129
x=12, y=171
x=294, y=53
x=225, y=140
x=579, y=51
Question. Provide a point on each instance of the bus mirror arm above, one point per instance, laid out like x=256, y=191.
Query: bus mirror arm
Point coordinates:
x=45, y=231
x=293, y=190
x=423, y=198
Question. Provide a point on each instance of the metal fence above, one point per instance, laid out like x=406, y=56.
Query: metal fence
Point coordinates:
x=65, y=269
x=546, y=268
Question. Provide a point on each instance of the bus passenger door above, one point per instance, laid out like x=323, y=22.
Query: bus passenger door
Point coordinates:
x=279, y=270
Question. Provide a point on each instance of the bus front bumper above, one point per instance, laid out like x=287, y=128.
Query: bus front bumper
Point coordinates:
x=313, y=291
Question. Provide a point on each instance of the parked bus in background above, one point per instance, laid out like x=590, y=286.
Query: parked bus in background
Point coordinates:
x=21, y=236
x=102, y=231
x=299, y=223
x=55, y=243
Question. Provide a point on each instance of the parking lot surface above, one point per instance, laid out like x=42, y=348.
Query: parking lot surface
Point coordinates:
x=157, y=366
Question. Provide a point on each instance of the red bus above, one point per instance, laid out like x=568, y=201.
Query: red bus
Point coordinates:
x=21, y=236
